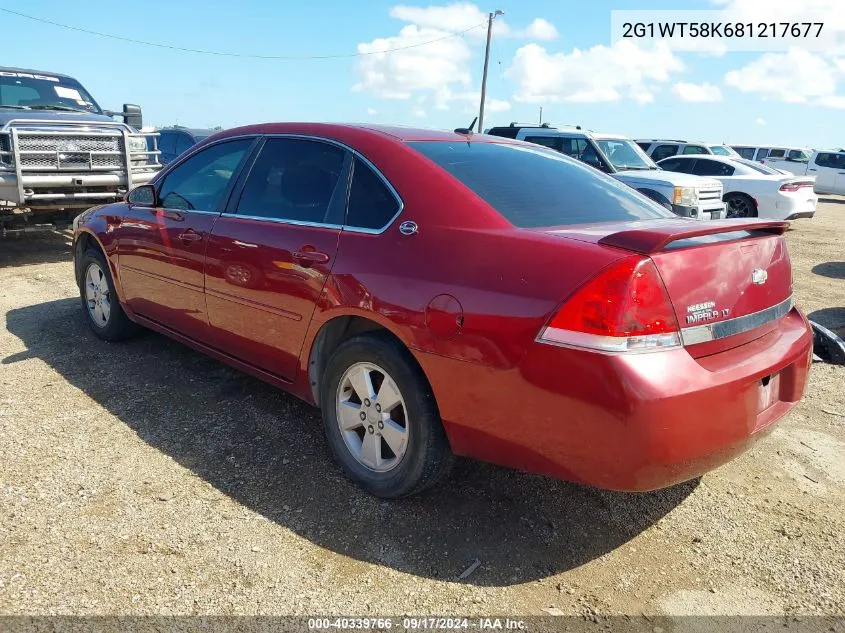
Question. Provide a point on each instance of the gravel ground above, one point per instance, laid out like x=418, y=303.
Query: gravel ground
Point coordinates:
x=144, y=478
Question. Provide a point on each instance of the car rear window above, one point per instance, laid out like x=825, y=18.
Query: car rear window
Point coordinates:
x=534, y=187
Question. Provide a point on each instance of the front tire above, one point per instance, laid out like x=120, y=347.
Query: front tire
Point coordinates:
x=739, y=205
x=381, y=419
x=103, y=312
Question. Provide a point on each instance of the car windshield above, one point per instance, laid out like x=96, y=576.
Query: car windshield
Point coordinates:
x=31, y=91
x=763, y=169
x=624, y=154
x=722, y=150
x=534, y=187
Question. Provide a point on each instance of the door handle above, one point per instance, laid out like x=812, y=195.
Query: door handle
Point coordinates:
x=812, y=169
x=190, y=236
x=306, y=257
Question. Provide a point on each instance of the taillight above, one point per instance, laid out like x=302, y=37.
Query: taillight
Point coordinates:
x=624, y=309
x=794, y=186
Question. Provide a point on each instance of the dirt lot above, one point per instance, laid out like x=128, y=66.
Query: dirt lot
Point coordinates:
x=144, y=478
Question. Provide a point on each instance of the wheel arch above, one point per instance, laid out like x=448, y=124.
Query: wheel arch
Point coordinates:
x=749, y=197
x=333, y=333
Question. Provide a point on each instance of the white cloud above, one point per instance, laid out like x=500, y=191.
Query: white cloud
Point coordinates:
x=419, y=112
x=461, y=16
x=761, y=122
x=372, y=111
x=697, y=93
x=796, y=76
x=440, y=69
x=835, y=101
x=540, y=29
x=602, y=73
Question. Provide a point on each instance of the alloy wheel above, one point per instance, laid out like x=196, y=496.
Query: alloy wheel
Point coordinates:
x=97, y=295
x=738, y=207
x=371, y=414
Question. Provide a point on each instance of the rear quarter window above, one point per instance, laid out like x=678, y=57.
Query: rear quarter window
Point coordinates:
x=535, y=187
x=664, y=151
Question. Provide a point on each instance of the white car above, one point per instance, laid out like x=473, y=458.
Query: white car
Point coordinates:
x=658, y=149
x=752, y=189
x=783, y=158
x=829, y=169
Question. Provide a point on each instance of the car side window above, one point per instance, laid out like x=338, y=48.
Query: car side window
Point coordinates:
x=777, y=153
x=746, y=152
x=644, y=146
x=840, y=161
x=371, y=203
x=694, y=149
x=674, y=164
x=167, y=143
x=664, y=151
x=296, y=180
x=183, y=143
x=762, y=153
x=552, y=142
x=704, y=167
x=199, y=183
x=826, y=159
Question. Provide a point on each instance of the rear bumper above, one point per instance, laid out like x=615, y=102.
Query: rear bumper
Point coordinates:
x=801, y=214
x=624, y=422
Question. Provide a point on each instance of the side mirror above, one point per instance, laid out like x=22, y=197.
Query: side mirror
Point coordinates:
x=142, y=196
x=132, y=116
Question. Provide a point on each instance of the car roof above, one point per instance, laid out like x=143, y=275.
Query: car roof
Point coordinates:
x=30, y=71
x=716, y=157
x=395, y=132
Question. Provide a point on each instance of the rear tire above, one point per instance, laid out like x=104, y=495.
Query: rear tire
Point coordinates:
x=392, y=451
x=739, y=205
x=103, y=312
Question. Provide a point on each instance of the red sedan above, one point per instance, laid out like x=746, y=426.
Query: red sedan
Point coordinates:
x=441, y=294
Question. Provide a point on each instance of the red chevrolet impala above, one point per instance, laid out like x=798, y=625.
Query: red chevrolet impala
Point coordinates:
x=441, y=294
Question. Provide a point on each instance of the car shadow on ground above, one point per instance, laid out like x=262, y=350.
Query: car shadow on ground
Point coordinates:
x=266, y=450
x=35, y=248
x=836, y=270
x=832, y=200
x=831, y=318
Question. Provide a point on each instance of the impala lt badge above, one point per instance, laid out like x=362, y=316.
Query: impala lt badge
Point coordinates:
x=698, y=312
x=759, y=276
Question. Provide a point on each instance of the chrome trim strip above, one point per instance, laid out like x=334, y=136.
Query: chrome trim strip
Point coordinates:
x=318, y=225
x=738, y=325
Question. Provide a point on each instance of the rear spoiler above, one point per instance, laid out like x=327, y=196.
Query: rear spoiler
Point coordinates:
x=656, y=238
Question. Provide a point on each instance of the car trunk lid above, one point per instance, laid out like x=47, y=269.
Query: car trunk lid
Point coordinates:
x=728, y=281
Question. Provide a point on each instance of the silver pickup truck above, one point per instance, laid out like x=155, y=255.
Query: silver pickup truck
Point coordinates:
x=60, y=152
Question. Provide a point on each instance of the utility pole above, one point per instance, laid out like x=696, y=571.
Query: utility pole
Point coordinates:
x=490, y=19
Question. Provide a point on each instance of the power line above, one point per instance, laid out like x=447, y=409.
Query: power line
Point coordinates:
x=240, y=55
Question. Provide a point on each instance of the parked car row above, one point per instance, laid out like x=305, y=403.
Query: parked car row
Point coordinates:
x=448, y=293
x=716, y=181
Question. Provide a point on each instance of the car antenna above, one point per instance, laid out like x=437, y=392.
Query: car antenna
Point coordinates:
x=466, y=130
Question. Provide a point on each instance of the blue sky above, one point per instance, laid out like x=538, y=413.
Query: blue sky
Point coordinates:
x=551, y=53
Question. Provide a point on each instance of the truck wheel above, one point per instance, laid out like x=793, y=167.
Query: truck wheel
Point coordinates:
x=380, y=418
x=99, y=299
x=740, y=205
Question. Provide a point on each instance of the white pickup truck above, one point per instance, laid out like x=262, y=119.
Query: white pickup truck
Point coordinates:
x=61, y=153
x=686, y=195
